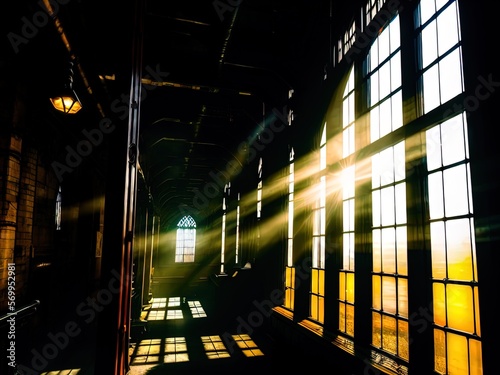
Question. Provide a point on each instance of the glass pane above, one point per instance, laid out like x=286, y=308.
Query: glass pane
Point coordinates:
x=376, y=208
x=321, y=288
x=397, y=110
x=385, y=80
x=387, y=204
x=342, y=286
x=348, y=220
x=433, y=148
x=447, y=29
x=386, y=166
x=395, y=31
x=345, y=252
x=350, y=320
x=376, y=170
x=351, y=252
x=450, y=76
x=374, y=124
x=457, y=354
x=431, y=89
x=429, y=44
x=374, y=55
x=436, y=202
x=345, y=114
x=376, y=250
x=439, y=352
x=438, y=304
x=351, y=106
x=476, y=311
x=399, y=161
x=400, y=191
x=403, y=339
x=314, y=306
x=453, y=144
x=388, y=250
x=459, y=249
x=342, y=316
x=348, y=182
x=374, y=89
x=389, y=342
x=321, y=309
x=455, y=191
x=389, y=294
x=377, y=292
x=401, y=243
x=383, y=45
x=376, y=330
x=314, y=281
x=475, y=357
x=427, y=9
x=396, y=71
x=459, y=306
x=438, y=250
x=403, y=297
x=350, y=287
x=385, y=118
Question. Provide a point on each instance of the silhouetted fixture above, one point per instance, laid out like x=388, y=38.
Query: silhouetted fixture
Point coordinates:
x=67, y=101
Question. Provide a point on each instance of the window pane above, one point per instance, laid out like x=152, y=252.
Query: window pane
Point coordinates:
x=455, y=191
x=453, y=144
x=377, y=292
x=460, y=307
x=431, y=89
x=450, y=76
x=403, y=297
x=438, y=250
x=401, y=239
x=447, y=29
x=459, y=249
x=436, y=200
x=377, y=250
x=388, y=250
x=457, y=354
x=429, y=44
x=389, y=341
x=389, y=294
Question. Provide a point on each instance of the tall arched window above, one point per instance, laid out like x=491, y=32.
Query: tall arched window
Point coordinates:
x=289, y=268
x=390, y=330
x=346, y=277
x=317, y=292
x=227, y=193
x=186, y=240
x=457, y=334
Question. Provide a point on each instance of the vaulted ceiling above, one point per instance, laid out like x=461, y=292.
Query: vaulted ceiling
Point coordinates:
x=211, y=70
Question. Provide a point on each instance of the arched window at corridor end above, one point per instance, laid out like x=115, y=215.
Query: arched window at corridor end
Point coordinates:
x=185, y=240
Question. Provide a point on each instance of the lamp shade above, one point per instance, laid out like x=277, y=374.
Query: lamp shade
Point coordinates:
x=67, y=102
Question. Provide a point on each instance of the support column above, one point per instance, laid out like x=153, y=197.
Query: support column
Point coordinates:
x=10, y=173
x=113, y=333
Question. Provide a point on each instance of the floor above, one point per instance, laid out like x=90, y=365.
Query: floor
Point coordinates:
x=195, y=333
x=192, y=335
